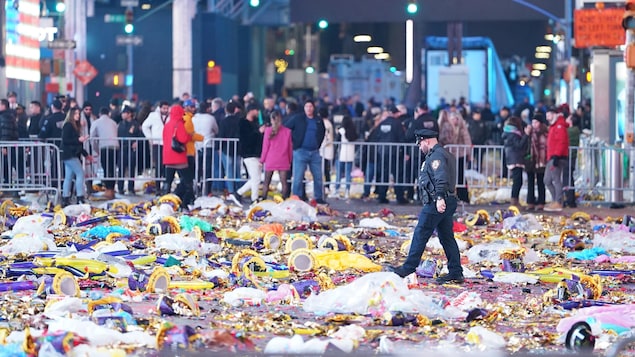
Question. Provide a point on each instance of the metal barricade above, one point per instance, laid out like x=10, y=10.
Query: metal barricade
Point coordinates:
x=132, y=163
x=479, y=166
x=30, y=166
x=218, y=165
x=601, y=172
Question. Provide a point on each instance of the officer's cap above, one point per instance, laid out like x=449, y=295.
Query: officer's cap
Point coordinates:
x=425, y=134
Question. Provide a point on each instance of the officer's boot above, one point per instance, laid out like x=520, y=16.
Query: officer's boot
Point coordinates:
x=66, y=201
x=81, y=200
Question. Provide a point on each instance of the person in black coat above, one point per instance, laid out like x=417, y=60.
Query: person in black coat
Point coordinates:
x=72, y=146
x=127, y=130
x=8, y=132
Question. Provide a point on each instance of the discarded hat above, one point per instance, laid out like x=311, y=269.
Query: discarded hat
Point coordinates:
x=425, y=134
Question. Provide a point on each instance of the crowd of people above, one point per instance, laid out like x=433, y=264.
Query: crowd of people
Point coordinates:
x=289, y=137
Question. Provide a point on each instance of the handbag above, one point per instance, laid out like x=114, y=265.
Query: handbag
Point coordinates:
x=177, y=146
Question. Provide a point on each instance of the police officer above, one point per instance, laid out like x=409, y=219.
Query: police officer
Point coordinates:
x=437, y=186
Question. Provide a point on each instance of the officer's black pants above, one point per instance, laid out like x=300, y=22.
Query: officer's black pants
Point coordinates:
x=429, y=220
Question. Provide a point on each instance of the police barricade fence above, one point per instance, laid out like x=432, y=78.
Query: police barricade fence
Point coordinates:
x=600, y=173
x=218, y=165
x=30, y=166
x=479, y=166
x=134, y=163
x=130, y=162
x=392, y=164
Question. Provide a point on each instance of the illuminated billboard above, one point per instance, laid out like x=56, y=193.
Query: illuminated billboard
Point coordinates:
x=22, y=39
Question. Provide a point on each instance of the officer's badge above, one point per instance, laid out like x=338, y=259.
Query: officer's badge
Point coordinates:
x=435, y=164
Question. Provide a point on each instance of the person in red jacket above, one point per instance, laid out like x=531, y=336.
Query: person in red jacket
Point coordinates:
x=175, y=127
x=557, y=156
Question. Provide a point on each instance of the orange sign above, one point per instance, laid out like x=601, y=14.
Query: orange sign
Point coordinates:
x=214, y=75
x=594, y=27
x=85, y=72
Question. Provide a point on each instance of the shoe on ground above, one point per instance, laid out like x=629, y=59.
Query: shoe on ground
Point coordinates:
x=540, y=207
x=321, y=201
x=530, y=207
x=553, y=207
x=383, y=201
x=396, y=270
x=234, y=197
x=451, y=279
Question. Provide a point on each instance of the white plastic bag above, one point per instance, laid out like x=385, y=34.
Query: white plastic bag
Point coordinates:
x=244, y=296
x=374, y=293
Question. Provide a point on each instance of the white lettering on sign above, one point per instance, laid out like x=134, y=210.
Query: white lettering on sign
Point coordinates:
x=47, y=33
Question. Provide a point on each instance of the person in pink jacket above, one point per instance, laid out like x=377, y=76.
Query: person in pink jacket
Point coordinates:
x=277, y=153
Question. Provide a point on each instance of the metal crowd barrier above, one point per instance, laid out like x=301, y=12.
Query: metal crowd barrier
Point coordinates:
x=219, y=166
x=130, y=162
x=30, y=166
x=601, y=173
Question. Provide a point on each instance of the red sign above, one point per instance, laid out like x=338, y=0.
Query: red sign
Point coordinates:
x=598, y=27
x=85, y=72
x=214, y=75
x=52, y=87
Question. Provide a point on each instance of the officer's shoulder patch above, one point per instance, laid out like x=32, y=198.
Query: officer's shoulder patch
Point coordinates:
x=435, y=164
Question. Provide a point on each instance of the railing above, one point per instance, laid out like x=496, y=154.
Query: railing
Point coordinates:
x=601, y=173
x=30, y=166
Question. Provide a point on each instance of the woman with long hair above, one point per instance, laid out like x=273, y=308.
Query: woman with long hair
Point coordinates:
x=277, y=153
x=453, y=131
x=536, y=162
x=346, y=157
x=72, y=150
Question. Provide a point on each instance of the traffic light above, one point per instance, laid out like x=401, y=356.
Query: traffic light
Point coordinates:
x=289, y=52
x=114, y=79
x=129, y=19
x=323, y=24
x=412, y=7
x=60, y=6
x=628, y=21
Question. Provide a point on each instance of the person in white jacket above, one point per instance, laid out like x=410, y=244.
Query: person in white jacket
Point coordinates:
x=206, y=125
x=152, y=129
x=346, y=157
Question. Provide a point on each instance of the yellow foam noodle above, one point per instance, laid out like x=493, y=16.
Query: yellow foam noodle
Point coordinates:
x=148, y=259
x=191, y=284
